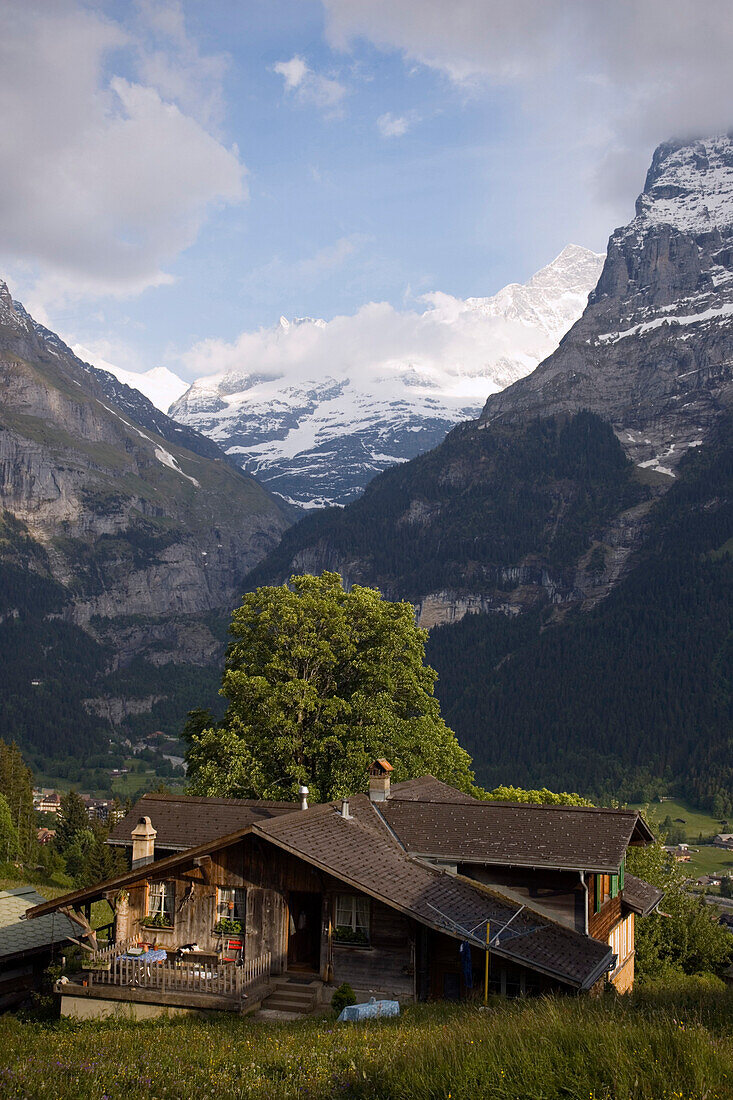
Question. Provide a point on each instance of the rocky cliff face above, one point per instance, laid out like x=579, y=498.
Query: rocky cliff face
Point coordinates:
x=131, y=522
x=319, y=439
x=653, y=351
x=80, y=474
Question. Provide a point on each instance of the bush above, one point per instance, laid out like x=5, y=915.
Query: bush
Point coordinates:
x=343, y=996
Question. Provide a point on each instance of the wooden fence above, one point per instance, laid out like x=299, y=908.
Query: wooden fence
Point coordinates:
x=181, y=975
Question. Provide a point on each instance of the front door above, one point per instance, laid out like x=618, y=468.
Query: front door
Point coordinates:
x=304, y=936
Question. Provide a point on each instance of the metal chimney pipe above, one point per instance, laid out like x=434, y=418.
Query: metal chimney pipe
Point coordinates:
x=345, y=808
x=303, y=792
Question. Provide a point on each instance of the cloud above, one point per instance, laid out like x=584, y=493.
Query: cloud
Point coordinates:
x=461, y=349
x=104, y=179
x=390, y=125
x=619, y=76
x=311, y=88
x=170, y=60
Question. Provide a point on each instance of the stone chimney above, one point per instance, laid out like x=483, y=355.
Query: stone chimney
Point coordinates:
x=379, y=776
x=143, y=842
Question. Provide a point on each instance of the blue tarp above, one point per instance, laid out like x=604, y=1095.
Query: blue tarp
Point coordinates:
x=369, y=1010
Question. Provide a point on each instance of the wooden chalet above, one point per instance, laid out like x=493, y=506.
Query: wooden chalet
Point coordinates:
x=401, y=893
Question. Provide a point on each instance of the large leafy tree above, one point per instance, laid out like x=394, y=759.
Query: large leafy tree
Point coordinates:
x=321, y=681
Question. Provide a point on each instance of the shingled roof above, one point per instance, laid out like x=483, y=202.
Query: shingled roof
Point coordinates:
x=185, y=821
x=640, y=896
x=428, y=789
x=361, y=851
x=21, y=937
x=576, y=838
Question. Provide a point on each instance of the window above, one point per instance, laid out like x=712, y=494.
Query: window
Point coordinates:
x=231, y=903
x=603, y=890
x=160, y=903
x=352, y=919
x=621, y=940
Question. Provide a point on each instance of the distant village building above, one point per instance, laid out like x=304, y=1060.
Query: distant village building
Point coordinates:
x=235, y=903
x=679, y=852
x=723, y=840
x=49, y=803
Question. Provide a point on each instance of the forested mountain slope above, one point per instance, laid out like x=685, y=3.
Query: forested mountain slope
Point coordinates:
x=637, y=689
x=119, y=546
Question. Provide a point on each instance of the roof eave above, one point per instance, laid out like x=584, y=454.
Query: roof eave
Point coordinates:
x=136, y=874
x=597, y=869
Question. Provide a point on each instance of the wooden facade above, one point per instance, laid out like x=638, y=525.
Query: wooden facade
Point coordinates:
x=290, y=914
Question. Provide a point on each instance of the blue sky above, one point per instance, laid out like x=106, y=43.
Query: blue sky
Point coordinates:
x=178, y=172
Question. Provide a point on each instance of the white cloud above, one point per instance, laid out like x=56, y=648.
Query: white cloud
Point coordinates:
x=293, y=71
x=311, y=88
x=104, y=180
x=171, y=61
x=390, y=125
x=461, y=349
x=619, y=77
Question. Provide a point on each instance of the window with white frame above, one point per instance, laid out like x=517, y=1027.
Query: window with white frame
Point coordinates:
x=621, y=940
x=352, y=919
x=161, y=896
x=231, y=903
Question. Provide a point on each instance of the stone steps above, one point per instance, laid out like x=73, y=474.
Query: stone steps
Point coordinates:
x=291, y=999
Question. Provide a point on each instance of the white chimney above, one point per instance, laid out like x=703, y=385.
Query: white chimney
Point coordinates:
x=303, y=792
x=379, y=780
x=143, y=842
x=345, y=808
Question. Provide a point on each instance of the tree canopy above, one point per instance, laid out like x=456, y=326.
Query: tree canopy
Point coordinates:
x=320, y=682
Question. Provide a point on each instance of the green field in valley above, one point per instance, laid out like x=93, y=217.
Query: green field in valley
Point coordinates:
x=706, y=859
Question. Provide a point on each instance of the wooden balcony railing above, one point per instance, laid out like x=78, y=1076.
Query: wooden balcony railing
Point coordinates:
x=180, y=975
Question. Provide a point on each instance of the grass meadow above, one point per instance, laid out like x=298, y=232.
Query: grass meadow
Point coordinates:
x=653, y=1045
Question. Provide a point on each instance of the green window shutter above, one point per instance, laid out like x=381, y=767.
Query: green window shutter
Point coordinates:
x=614, y=886
x=598, y=893
x=622, y=874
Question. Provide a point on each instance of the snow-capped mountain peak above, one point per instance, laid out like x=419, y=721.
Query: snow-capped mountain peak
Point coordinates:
x=159, y=385
x=316, y=408
x=689, y=186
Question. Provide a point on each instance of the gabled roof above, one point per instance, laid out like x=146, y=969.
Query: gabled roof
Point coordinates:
x=640, y=896
x=362, y=852
x=19, y=936
x=516, y=834
x=185, y=821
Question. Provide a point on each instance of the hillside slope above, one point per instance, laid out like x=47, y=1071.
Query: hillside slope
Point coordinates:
x=111, y=527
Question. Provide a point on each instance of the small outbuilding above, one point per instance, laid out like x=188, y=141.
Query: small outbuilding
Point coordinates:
x=28, y=947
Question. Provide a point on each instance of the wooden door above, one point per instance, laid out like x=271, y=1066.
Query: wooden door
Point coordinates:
x=304, y=930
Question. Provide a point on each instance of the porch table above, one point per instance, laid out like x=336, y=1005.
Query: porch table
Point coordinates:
x=156, y=956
